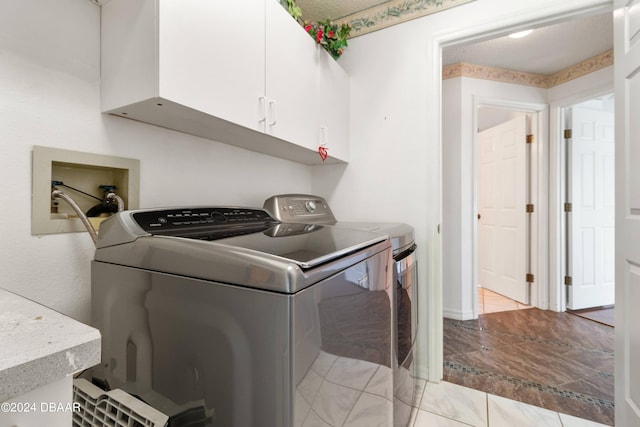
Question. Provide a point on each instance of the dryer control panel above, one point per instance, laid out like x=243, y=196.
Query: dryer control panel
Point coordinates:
x=300, y=207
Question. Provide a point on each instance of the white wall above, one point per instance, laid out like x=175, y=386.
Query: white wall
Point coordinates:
x=597, y=83
x=49, y=95
x=391, y=160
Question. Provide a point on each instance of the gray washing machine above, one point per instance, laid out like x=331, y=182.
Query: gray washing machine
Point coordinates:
x=227, y=317
x=304, y=208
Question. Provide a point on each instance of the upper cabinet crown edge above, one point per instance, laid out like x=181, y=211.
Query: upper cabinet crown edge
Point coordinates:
x=241, y=73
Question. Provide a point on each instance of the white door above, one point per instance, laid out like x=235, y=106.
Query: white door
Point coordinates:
x=627, y=93
x=502, y=218
x=592, y=241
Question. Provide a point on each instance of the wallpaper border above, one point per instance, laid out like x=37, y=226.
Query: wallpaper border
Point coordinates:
x=583, y=68
x=395, y=12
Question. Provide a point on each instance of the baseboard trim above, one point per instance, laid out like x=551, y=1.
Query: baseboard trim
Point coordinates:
x=457, y=314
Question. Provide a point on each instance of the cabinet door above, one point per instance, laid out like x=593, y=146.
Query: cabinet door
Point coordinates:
x=211, y=57
x=290, y=79
x=333, y=106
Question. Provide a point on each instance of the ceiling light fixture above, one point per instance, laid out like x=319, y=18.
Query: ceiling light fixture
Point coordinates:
x=520, y=34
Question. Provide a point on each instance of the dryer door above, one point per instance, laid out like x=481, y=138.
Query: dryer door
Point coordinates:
x=342, y=344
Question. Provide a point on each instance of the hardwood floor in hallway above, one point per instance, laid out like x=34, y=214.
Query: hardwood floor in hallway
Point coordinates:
x=552, y=360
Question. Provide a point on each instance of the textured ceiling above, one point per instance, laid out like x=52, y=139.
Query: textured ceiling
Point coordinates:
x=546, y=50
x=319, y=10
x=366, y=16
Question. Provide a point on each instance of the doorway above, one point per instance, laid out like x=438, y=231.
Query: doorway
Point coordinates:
x=486, y=353
x=461, y=204
x=536, y=356
x=540, y=293
x=463, y=35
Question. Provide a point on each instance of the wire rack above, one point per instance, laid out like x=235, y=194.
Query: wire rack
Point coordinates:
x=114, y=408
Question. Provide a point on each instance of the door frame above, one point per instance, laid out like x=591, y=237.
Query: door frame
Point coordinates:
x=458, y=36
x=537, y=195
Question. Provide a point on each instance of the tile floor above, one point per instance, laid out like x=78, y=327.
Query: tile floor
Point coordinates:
x=451, y=405
x=491, y=302
x=340, y=391
x=332, y=395
x=557, y=361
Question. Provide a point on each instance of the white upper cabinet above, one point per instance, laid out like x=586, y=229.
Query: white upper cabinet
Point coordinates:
x=210, y=62
x=243, y=73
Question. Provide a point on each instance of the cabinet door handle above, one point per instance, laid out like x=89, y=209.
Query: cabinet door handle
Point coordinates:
x=273, y=109
x=324, y=135
x=262, y=108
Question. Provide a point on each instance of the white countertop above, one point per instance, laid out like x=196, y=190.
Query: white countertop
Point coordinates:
x=39, y=346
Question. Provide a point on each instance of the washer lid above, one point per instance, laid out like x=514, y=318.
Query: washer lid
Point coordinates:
x=229, y=229
x=307, y=245
x=400, y=234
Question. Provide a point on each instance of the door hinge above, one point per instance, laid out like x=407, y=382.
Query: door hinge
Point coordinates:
x=567, y=134
x=530, y=139
x=568, y=280
x=530, y=278
x=530, y=208
x=568, y=207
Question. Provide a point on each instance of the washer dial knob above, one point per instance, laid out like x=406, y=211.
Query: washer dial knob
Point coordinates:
x=310, y=205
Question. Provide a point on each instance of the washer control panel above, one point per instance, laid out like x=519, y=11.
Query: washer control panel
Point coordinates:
x=300, y=208
x=181, y=219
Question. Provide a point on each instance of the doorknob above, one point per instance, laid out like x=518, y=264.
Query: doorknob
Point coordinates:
x=478, y=216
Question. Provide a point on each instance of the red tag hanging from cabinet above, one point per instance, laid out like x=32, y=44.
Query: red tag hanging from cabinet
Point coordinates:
x=323, y=151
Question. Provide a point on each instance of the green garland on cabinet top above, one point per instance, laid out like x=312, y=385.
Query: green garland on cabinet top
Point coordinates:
x=332, y=37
